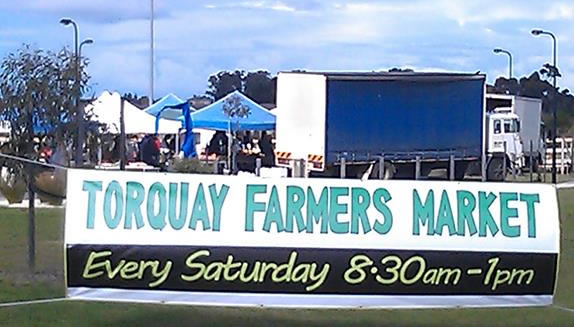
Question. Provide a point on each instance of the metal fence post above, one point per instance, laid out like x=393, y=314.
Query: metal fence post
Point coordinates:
x=562, y=156
x=234, y=168
x=513, y=166
x=418, y=167
x=177, y=145
x=343, y=167
x=451, y=165
x=258, y=166
x=31, y=221
x=530, y=161
x=298, y=168
x=122, y=136
x=504, y=163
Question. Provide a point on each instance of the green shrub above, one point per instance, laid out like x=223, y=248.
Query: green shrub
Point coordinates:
x=183, y=165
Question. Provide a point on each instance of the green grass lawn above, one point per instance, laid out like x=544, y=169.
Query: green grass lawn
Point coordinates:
x=47, y=280
x=16, y=283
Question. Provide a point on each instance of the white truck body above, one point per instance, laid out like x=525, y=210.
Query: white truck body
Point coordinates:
x=503, y=112
x=300, y=112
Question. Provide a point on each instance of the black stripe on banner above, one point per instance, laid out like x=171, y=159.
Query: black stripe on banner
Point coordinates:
x=310, y=271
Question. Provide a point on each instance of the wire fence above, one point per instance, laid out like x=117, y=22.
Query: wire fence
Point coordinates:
x=32, y=227
x=32, y=244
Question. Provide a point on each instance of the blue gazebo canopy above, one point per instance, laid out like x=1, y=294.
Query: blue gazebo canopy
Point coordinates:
x=213, y=116
x=41, y=127
x=167, y=113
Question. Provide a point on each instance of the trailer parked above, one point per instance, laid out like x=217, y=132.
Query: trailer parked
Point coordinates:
x=384, y=125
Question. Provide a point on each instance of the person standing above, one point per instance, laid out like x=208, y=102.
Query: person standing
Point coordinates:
x=266, y=146
x=150, y=150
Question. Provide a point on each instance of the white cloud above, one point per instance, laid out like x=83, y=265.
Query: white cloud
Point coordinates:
x=195, y=39
x=122, y=71
x=560, y=11
x=281, y=7
x=251, y=4
x=85, y=10
x=387, y=7
x=474, y=11
x=442, y=35
x=538, y=60
x=18, y=32
x=457, y=62
x=269, y=5
x=494, y=73
x=431, y=69
x=568, y=60
x=168, y=69
x=465, y=12
x=124, y=31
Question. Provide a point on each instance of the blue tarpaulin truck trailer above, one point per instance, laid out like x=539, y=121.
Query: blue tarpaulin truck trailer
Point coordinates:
x=412, y=122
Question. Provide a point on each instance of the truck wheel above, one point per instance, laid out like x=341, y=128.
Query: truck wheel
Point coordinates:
x=495, y=170
x=459, y=170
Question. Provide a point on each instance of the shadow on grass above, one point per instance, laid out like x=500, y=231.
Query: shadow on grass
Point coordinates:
x=74, y=313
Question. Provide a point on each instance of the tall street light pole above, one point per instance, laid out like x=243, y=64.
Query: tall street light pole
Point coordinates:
x=497, y=51
x=78, y=155
x=81, y=131
x=151, y=53
x=554, y=108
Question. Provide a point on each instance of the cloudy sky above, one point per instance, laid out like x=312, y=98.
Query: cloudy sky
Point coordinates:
x=194, y=39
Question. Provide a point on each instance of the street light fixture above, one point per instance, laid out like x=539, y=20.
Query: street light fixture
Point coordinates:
x=66, y=22
x=497, y=51
x=78, y=155
x=537, y=32
x=86, y=41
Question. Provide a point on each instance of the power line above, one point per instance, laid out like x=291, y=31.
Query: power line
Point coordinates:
x=7, y=156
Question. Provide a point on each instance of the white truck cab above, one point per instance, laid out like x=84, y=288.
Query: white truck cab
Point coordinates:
x=515, y=121
x=505, y=130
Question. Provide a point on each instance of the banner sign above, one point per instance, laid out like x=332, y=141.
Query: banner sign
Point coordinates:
x=239, y=240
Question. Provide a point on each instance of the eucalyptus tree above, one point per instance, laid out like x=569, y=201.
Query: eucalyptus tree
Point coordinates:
x=38, y=95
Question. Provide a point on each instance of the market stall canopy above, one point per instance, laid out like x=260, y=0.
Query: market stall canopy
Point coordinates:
x=106, y=109
x=214, y=117
x=166, y=113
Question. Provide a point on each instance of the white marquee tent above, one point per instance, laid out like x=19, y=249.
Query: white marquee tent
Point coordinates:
x=106, y=109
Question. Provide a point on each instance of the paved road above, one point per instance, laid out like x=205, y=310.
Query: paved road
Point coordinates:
x=569, y=184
